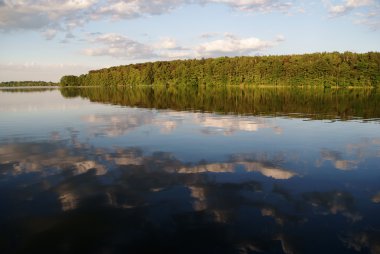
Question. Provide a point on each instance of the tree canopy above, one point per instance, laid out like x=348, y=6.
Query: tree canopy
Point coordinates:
x=27, y=83
x=327, y=69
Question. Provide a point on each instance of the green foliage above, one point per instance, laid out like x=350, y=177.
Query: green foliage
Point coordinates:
x=315, y=102
x=327, y=69
x=27, y=89
x=70, y=80
x=27, y=83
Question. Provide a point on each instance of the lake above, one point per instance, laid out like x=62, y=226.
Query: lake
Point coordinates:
x=190, y=170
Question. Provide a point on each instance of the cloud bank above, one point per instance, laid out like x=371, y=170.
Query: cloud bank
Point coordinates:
x=53, y=16
x=69, y=14
x=366, y=12
x=120, y=46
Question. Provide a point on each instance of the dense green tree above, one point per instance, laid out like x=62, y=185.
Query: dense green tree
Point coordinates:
x=327, y=69
x=27, y=83
x=71, y=81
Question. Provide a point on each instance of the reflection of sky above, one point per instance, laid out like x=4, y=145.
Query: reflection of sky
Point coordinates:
x=246, y=173
x=37, y=102
x=301, y=145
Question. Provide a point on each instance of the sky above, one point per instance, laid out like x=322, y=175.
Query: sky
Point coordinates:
x=46, y=39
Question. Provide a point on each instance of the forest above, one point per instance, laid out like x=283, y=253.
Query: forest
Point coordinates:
x=27, y=83
x=322, y=69
x=313, y=102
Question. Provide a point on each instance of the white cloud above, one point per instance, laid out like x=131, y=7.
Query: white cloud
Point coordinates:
x=129, y=9
x=167, y=43
x=370, y=18
x=50, y=33
x=280, y=38
x=257, y=5
x=69, y=14
x=232, y=46
x=349, y=5
x=168, y=48
x=367, y=12
x=120, y=9
x=338, y=9
x=176, y=54
x=208, y=35
x=41, y=15
x=120, y=46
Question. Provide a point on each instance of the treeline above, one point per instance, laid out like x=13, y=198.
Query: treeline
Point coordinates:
x=27, y=83
x=28, y=90
x=327, y=69
x=310, y=102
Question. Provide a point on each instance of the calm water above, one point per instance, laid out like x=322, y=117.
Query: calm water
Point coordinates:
x=142, y=170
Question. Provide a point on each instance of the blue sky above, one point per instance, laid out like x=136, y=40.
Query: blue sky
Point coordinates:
x=43, y=40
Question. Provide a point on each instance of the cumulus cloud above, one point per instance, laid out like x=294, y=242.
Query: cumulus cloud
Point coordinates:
x=129, y=9
x=50, y=33
x=367, y=12
x=68, y=14
x=232, y=46
x=168, y=43
x=209, y=35
x=120, y=46
x=371, y=18
x=257, y=5
x=349, y=5
x=168, y=48
x=45, y=14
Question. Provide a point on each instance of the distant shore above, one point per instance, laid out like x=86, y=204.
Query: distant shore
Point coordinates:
x=318, y=69
x=23, y=84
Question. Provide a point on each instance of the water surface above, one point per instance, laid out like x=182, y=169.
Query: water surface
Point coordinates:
x=142, y=170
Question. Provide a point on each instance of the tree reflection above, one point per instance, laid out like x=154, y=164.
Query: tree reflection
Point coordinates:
x=309, y=102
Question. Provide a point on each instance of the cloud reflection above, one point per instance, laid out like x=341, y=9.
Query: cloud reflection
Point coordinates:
x=69, y=201
x=158, y=194
x=121, y=124
x=337, y=160
x=118, y=125
x=273, y=172
x=364, y=241
x=353, y=155
x=334, y=202
x=228, y=125
x=376, y=198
